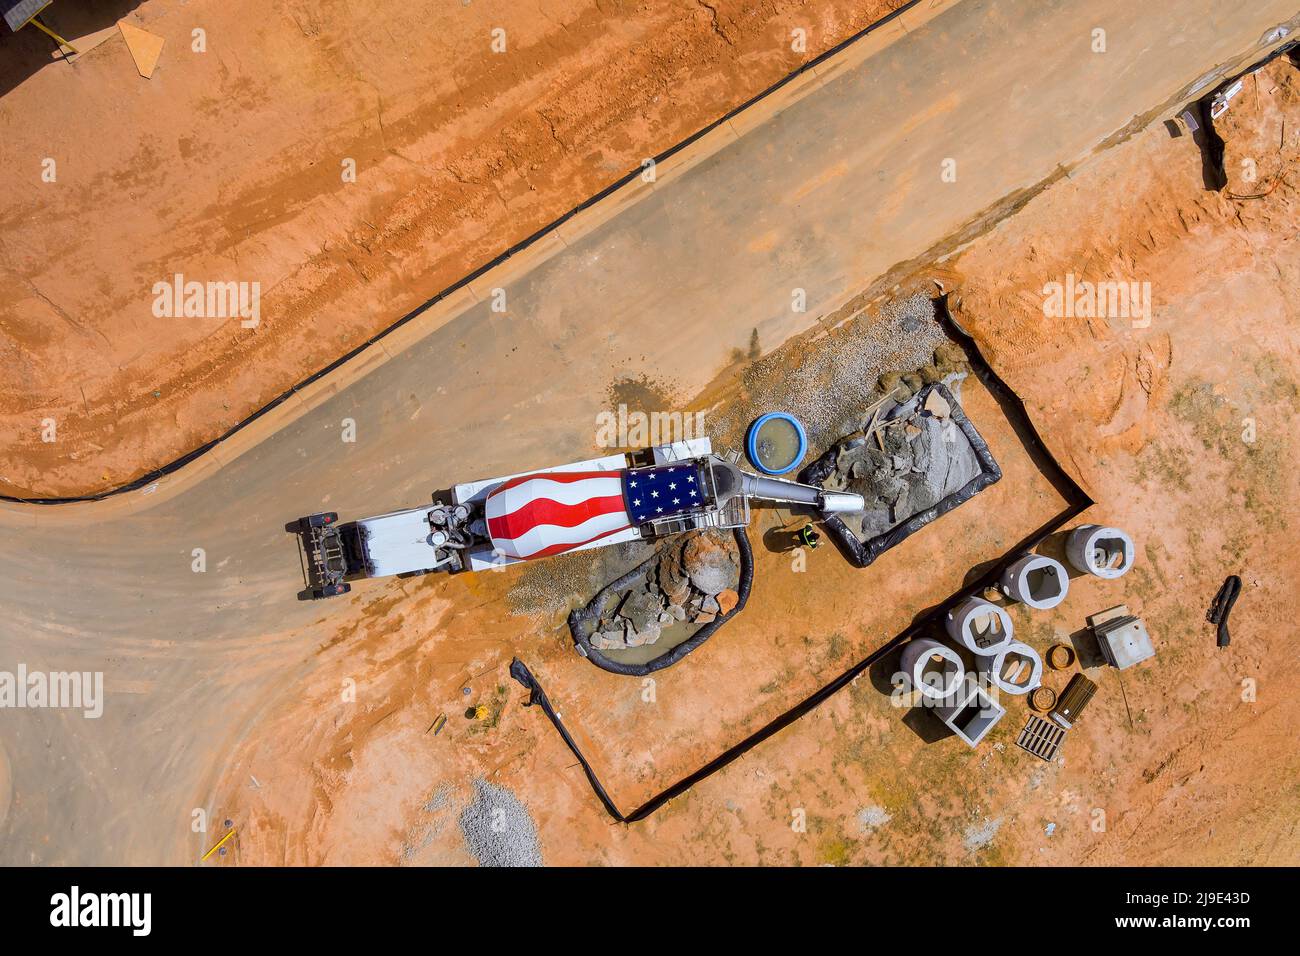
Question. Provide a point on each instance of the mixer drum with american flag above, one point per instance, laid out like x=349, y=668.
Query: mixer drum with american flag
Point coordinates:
x=535, y=516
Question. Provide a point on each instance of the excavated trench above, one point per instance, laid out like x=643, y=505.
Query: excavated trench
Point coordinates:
x=1077, y=500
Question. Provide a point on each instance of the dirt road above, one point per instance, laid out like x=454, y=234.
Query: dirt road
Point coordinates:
x=352, y=161
x=193, y=659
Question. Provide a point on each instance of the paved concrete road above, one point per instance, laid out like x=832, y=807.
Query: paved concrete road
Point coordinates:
x=826, y=196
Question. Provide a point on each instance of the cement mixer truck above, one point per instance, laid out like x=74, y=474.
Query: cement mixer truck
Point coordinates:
x=496, y=522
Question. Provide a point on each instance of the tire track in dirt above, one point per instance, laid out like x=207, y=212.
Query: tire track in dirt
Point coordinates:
x=481, y=154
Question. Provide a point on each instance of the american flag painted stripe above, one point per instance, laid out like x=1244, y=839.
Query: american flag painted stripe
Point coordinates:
x=545, y=511
x=514, y=494
x=537, y=515
x=544, y=540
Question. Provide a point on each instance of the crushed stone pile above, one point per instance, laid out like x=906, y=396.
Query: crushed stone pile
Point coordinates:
x=693, y=581
x=837, y=374
x=909, y=456
x=498, y=829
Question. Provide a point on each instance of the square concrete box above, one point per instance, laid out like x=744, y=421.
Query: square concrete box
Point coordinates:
x=1122, y=637
x=970, y=713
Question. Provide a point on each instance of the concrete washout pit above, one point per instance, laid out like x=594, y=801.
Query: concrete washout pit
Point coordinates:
x=1102, y=552
x=980, y=626
x=926, y=459
x=932, y=668
x=1037, y=581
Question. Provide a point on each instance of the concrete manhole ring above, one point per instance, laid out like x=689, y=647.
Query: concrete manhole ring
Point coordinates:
x=1037, y=581
x=1102, y=552
x=980, y=626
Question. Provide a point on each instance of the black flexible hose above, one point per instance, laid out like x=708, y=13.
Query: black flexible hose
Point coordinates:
x=1222, y=607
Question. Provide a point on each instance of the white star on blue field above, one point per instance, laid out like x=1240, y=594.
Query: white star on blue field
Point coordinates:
x=660, y=492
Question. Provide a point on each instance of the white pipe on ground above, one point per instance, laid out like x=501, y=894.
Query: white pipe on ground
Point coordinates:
x=932, y=668
x=1005, y=669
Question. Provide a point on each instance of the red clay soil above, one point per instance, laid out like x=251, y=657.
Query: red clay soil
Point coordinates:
x=408, y=654
x=228, y=165
x=1188, y=758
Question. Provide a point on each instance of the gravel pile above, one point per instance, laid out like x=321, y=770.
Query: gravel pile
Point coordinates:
x=824, y=382
x=977, y=836
x=910, y=465
x=869, y=818
x=498, y=830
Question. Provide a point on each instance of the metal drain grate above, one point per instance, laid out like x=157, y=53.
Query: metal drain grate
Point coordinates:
x=1042, y=738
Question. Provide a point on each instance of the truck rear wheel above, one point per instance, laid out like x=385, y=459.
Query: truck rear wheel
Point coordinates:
x=330, y=590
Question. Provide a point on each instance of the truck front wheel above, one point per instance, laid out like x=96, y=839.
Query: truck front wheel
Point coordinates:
x=323, y=520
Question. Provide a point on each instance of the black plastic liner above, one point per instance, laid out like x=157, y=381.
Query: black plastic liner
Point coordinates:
x=860, y=553
x=583, y=621
x=1222, y=607
x=520, y=672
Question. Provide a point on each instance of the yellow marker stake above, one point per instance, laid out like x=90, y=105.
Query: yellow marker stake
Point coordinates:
x=218, y=846
x=58, y=39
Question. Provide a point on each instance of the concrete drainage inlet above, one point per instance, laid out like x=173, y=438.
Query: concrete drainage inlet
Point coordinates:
x=1037, y=581
x=980, y=626
x=1102, y=552
x=970, y=714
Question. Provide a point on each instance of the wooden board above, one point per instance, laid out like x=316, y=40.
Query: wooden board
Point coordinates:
x=145, y=47
x=84, y=44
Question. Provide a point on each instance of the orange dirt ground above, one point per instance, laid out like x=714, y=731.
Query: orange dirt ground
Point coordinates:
x=755, y=669
x=228, y=166
x=1189, y=758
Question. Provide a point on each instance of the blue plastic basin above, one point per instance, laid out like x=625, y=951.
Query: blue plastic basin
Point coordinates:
x=776, y=443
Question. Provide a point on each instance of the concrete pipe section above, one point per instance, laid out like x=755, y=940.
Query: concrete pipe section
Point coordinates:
x=980, y=626
x=1014, y=669
x=932, y=668
x=1037, y=581
x=1101, y=552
